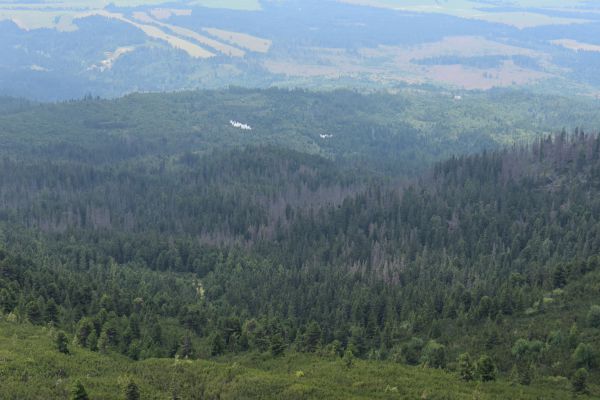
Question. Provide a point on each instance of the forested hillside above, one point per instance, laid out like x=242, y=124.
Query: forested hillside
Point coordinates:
x=399, y=134
x=269, y=257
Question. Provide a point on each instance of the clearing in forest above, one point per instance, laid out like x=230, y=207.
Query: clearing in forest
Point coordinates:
x=478, y=10
x=193, y=50
x=575, y=45
x=244, y=40
x=190, y=34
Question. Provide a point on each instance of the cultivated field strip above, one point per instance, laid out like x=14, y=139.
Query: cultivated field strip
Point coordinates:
x=244, y=40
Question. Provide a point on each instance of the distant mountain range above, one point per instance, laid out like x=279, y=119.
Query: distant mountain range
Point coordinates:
x=55, y=50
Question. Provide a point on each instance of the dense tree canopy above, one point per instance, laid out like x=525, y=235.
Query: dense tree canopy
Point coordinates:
x=487, y=264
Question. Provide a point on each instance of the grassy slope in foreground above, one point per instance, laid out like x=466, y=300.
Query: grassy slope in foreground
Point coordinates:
x=31, y=368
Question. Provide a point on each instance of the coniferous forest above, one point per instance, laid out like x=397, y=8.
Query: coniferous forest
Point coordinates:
x=312, y=257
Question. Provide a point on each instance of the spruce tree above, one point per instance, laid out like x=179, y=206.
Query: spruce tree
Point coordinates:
x=62, y=342
x=348, y=358
x=584, y=356
x=434, y=355
x=132, y=392
x=593, y=317
x=486, y=369
x=78, y=392
x=579, y=381
x=218, y=345
x=312, y=337
x=559, y=277
x=187, y=349
x=34, y=313
x=466, y=369
x=525, y=372
x=84, y=330
x=277, y=345
x=103, y=342
x=51, y=311
x=92, y=341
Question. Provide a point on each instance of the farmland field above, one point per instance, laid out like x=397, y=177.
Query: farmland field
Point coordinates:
x=575, y=45
x=190, y=34
x=249, y=42
x=210, y=44
x=474, y=10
